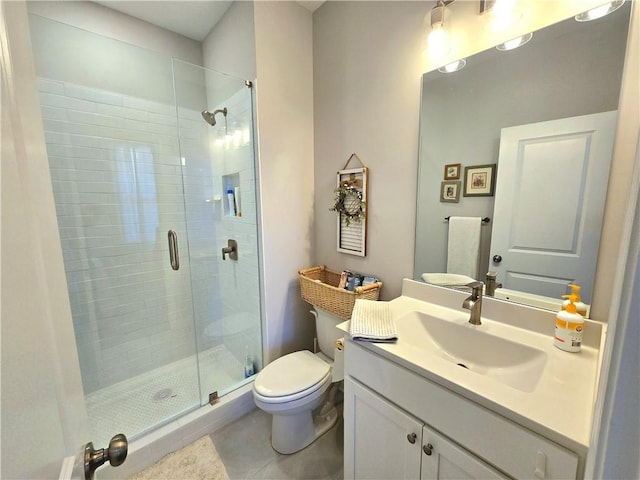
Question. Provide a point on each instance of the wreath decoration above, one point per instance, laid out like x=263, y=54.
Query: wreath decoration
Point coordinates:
x=349, y=202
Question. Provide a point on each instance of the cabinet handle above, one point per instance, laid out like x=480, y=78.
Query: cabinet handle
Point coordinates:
x=412, y=438
x=428, y=449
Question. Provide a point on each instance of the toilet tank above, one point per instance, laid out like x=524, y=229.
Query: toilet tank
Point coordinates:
x=326, y=331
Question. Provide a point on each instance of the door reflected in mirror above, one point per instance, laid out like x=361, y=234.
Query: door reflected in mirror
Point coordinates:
x=569, y=70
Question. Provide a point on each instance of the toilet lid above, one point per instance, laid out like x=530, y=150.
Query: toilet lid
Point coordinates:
x=291, y=374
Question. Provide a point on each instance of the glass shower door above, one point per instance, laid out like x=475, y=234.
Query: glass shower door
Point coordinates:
x=219, y=174
x=111, y=133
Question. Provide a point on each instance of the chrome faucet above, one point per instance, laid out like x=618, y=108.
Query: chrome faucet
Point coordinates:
x=474, y=302
x=492, y=284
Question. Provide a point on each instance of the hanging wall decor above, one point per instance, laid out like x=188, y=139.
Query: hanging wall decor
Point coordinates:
x=350, y=204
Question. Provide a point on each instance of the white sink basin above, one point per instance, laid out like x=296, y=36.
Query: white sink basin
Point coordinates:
x=472, y=347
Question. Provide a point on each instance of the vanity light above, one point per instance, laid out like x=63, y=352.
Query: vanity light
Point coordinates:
x=503, y=13
x=599, y=12
x=515, y=42
x=453, y=66
x=438, y=41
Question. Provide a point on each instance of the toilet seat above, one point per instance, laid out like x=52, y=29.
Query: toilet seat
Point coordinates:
x=291, y=377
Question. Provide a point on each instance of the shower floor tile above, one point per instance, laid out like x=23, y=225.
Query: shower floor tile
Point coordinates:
x=138, y=405
x=244, y=447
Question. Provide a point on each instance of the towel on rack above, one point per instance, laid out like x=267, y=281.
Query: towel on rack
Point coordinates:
x=371, y=321
x=463, y=249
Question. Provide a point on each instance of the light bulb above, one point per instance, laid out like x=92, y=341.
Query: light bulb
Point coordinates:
x=453, y=66
x=503, y=14
x=515, y=42
x=599, y=12
x=438, y=42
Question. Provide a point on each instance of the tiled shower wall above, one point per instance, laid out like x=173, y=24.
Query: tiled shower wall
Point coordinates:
x=116, y=168
x=226, y=311
x=114, y=162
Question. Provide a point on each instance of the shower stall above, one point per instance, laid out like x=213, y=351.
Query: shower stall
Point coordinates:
x=150, y=194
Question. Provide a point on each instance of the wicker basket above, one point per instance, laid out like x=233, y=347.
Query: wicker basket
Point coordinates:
x=325, y=294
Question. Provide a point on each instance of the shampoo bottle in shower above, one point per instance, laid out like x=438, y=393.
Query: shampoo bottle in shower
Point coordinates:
x=232, y=202
x=248, y=364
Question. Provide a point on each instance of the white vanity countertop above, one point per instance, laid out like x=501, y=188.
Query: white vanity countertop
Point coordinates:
x=560, y=406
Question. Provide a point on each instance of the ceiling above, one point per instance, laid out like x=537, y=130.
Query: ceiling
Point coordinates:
x=193, y=19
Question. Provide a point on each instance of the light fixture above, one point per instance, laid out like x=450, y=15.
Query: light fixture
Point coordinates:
x=515, y=42
x=438, y=42
x=600, y=11
x=453, y=66
x=502, y=14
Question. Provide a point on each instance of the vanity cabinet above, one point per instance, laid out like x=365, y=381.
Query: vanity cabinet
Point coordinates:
x=384, y=442
x=392, y=415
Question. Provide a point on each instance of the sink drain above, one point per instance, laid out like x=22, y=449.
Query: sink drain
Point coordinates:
x=463, y=365
x=162, y=395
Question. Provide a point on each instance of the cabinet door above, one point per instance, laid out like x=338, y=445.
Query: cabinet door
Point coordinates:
x=380, y=440
x=443, y=459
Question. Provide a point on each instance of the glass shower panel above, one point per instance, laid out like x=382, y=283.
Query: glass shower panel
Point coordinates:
x=219, y=174
x=111, y=133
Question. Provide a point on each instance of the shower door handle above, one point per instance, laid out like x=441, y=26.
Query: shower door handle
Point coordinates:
x=174, y=258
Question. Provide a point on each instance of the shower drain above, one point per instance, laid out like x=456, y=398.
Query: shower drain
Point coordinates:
x=164, y=394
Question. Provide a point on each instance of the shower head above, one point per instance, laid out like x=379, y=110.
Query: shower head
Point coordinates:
x=210, y=118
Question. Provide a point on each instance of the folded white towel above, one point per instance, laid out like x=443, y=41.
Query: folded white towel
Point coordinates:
x=371, y=321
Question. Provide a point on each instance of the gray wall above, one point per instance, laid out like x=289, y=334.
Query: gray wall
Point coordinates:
x=230, y=47
x=366, y=100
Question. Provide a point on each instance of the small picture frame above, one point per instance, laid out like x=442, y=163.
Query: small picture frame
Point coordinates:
x=452, y=171
x=479, y=180
x=450, y=192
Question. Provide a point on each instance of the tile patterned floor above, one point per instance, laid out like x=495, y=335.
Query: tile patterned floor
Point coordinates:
x=245, y=449
x=143, y=403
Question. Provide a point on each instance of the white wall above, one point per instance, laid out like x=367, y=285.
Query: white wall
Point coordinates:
x=285, y=122
x=43, y=415
x=230, y=47
x=616, y=438
x=110, y=23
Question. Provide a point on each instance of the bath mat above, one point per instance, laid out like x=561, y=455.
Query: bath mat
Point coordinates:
x=197, y=461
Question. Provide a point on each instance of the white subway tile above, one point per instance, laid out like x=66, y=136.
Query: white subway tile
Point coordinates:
x=123, y=112
x=50, y=86
x=52, y=100
x=92, y=94
x=148, y=106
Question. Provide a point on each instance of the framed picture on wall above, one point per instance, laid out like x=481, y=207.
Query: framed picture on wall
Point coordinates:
x=450, y=192
x=479, y=180
x=452, y=171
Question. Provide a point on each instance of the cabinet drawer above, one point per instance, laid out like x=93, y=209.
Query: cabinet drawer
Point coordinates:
x=511, y=448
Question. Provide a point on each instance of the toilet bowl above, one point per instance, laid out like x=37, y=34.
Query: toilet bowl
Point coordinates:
x=298, y=390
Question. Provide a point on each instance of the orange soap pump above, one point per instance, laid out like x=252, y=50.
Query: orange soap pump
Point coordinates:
x=569, y=327
x=581, y=308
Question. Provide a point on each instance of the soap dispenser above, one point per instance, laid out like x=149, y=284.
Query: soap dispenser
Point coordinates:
x=569, y=327
x=581, y=308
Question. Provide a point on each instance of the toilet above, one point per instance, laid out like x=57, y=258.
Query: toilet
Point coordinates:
x=298, y=389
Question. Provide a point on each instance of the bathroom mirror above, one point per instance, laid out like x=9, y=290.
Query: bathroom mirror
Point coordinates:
x=567, y=70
